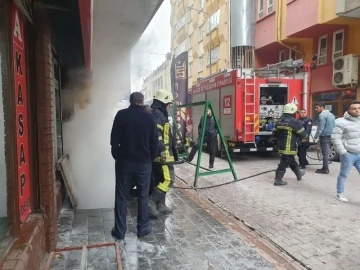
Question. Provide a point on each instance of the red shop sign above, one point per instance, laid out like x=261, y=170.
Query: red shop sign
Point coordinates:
x=22, y=128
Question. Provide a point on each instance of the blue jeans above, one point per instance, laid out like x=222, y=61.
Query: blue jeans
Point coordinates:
x=128, y=173
x=325, y=150
x=347, y=161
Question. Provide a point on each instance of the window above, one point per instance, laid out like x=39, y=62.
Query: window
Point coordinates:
x=292, y=55
x=201, y=4
x=181, y=47
x=282, y=56
x=180, y=24
x=214, y=55
x=213, y=20
x=190, y=68
x=190, y=40
x=201, y=63
x=260, y=9
x=162, y=85
x=270, y=6
x=191, y=13
x=322, y=50
x=201, y=32
x=338, y=44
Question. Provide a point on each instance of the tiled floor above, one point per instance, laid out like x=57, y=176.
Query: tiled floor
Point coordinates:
x=190, y=238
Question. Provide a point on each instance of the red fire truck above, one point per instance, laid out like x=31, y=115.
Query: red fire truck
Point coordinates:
x=248, y=106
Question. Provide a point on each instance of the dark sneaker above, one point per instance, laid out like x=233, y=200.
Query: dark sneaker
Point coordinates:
x=115, y=235
x=322, y=171
x=211, y=166
x=147, y=232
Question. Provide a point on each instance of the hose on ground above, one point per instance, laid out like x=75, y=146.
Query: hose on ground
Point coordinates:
x=229, y=182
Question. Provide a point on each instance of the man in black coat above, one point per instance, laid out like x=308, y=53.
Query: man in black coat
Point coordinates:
x=307, y=124
x=210, y=139
x=134, y=145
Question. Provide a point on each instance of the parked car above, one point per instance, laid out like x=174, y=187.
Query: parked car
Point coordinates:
x=333, y=156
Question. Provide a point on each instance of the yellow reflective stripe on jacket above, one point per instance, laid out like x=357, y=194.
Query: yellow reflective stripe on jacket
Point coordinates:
x=165, y=185
x=300, y=130
x=160, y=127
x=288, y=140
x=166, y=133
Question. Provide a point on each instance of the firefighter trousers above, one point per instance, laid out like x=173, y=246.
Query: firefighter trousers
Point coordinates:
x=163, y=177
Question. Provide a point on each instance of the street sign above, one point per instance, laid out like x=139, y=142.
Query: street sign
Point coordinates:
x=294, y=101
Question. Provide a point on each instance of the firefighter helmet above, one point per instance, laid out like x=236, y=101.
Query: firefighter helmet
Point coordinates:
x=290, y=108
x=164, y=96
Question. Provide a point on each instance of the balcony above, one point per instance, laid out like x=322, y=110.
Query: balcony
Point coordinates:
x=348, y=8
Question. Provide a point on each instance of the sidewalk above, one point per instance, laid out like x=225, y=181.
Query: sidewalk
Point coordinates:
x=303, y=218
x=190, y=238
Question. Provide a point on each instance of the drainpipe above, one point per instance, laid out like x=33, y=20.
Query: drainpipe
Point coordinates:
x=305, y=91
x=278, y=28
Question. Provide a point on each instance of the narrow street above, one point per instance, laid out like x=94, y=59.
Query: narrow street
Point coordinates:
x=303, y=218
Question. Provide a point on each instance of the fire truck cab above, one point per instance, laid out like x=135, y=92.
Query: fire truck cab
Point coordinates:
x=248, y=106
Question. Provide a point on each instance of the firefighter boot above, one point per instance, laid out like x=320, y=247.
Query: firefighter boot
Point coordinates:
x=153, y=212
x=298, y=172
x=278, y=178
x=161, y=206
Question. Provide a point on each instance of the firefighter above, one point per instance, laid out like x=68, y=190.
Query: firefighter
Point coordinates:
x=210, y=138
x=163, y=174
x=307, y=124
x=287, y=131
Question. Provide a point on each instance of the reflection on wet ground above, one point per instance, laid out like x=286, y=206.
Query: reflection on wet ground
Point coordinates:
x=190, y=238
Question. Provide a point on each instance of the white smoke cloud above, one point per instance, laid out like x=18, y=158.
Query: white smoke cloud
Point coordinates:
x=156, y=39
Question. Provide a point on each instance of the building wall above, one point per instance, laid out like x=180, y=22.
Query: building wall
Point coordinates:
x=152, y=83
x=198, y=45
x=265, y=25
x=300, y=14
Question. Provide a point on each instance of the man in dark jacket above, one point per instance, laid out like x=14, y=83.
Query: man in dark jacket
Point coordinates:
x=163, y=170
x=134, y=145
x=287, y=131
x=210, y=139
x=306, y=123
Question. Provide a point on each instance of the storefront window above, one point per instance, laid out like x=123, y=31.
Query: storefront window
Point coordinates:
x=3, y=188
x=336, y=102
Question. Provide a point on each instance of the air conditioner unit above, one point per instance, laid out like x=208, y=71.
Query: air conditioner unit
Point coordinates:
x=345, y=71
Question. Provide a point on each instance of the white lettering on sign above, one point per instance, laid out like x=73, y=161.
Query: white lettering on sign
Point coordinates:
x=212, y=85
x=227, y=105
x=17, y=28
x=294, y=101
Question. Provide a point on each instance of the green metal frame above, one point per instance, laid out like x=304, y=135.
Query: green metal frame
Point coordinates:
x=208, y=105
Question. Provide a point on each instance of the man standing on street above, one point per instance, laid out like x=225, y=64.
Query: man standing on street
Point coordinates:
x=287, y=131
x=163, y=169
x=326, y=124
x=346, y=141
x=306, y=123
x=134, y=145
x=210, y=138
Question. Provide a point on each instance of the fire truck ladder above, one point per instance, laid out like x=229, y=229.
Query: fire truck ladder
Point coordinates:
x=249, y=130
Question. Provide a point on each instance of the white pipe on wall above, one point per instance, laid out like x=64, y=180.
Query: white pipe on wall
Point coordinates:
x=305, y=91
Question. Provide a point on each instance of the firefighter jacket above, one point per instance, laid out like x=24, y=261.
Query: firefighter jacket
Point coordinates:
x=166, y=149
x=287, y=131
x=307, y=124
x=210, y=129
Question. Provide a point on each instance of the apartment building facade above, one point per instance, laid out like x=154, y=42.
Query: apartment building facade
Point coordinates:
x=293, y=29
x=284, y=29
x=158, y=79
x=201, y=28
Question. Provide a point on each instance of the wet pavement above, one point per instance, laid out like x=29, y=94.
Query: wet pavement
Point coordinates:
x=303, y=218
x=190, y=238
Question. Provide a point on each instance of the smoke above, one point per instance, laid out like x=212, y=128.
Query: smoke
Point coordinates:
x=86, y=134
